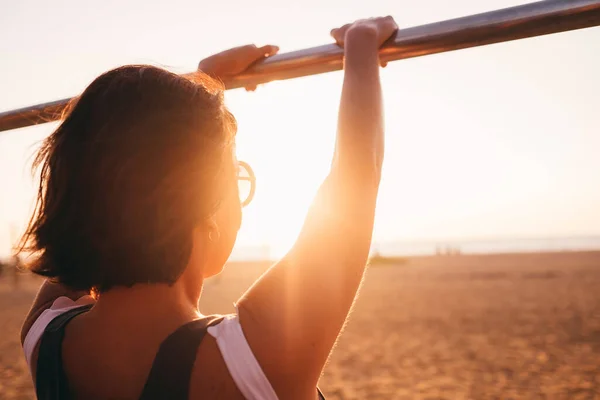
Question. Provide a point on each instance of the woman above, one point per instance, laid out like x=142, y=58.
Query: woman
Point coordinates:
x=138, y=204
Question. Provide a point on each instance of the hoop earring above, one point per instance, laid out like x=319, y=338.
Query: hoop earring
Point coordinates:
x=210, y=236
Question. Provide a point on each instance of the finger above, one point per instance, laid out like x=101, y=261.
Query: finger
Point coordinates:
x=391, y=20
x=391, y=38
x=338, y=35
x=268, y=50
x=250, y=88
x=339, y=40
x=344, y=28
x=392, y=23
x=246, y=49
x=341, y=30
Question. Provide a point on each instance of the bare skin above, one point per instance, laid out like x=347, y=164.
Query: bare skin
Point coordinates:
x=293, y=314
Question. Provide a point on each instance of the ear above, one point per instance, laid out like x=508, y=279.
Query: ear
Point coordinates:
x=206, y=232
x=202, y=237
x=212, y=229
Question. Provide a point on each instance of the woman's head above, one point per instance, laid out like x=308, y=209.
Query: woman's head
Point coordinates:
x=139, y=176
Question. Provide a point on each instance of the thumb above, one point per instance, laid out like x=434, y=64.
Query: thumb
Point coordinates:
x=268, y=50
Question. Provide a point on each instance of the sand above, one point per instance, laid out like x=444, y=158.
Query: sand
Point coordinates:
x=457, y=327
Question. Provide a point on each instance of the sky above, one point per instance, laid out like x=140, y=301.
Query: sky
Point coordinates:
x=499, y=141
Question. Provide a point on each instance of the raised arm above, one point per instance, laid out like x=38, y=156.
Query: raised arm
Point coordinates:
x=293, y=314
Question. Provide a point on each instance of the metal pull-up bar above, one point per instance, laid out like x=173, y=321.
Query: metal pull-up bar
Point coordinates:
x=529, y=20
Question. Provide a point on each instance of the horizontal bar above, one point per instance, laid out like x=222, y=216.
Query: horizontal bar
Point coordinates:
x=529, y=20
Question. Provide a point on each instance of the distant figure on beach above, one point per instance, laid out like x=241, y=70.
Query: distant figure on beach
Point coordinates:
x=139, y=203
x=12, y=269
x=16, y=270
x=448, y=250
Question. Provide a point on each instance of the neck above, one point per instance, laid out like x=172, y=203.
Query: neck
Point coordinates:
x=177, y=302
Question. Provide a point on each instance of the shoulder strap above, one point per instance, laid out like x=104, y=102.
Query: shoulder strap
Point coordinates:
x=51, y=382
x=171, y=371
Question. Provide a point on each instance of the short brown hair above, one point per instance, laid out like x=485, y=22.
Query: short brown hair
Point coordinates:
x=134, y=166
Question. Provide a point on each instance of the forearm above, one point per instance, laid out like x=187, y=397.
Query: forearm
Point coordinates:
x=359, y=143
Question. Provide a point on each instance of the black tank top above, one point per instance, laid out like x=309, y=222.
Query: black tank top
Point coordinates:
x=169, y=376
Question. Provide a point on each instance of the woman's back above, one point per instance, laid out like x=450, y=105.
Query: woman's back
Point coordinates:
x=103, y=360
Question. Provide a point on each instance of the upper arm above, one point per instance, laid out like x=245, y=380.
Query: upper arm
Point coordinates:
x=293, y=314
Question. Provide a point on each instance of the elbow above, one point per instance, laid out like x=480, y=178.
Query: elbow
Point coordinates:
x=363, y=170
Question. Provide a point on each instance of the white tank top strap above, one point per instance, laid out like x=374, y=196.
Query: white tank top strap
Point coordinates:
x=60, y=306
x=241, y=362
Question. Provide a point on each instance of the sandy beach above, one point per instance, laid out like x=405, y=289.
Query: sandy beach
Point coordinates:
x=447, y=327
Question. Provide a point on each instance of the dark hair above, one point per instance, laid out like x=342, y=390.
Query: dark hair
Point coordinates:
x=135, y=165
